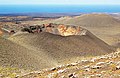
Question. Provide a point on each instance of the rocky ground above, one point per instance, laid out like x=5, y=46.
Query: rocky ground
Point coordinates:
x=105, y=66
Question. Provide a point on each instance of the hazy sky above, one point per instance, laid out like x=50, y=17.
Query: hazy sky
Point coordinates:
x=60, y=2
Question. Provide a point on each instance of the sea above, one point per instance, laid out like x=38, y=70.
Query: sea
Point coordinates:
x=6, y=9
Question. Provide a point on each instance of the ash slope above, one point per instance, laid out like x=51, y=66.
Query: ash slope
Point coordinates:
x=59, y=48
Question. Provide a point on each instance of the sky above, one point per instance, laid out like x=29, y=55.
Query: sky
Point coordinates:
x=91, y=2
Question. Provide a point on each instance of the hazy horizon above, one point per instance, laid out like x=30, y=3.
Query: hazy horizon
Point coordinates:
x=57, y=2
x=59, y=8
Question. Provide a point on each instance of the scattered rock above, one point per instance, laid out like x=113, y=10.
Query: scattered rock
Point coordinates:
x=96, y=67
x=53, y=69
x=61, y=71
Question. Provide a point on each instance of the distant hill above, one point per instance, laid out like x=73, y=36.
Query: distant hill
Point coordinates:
x=94, y=20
